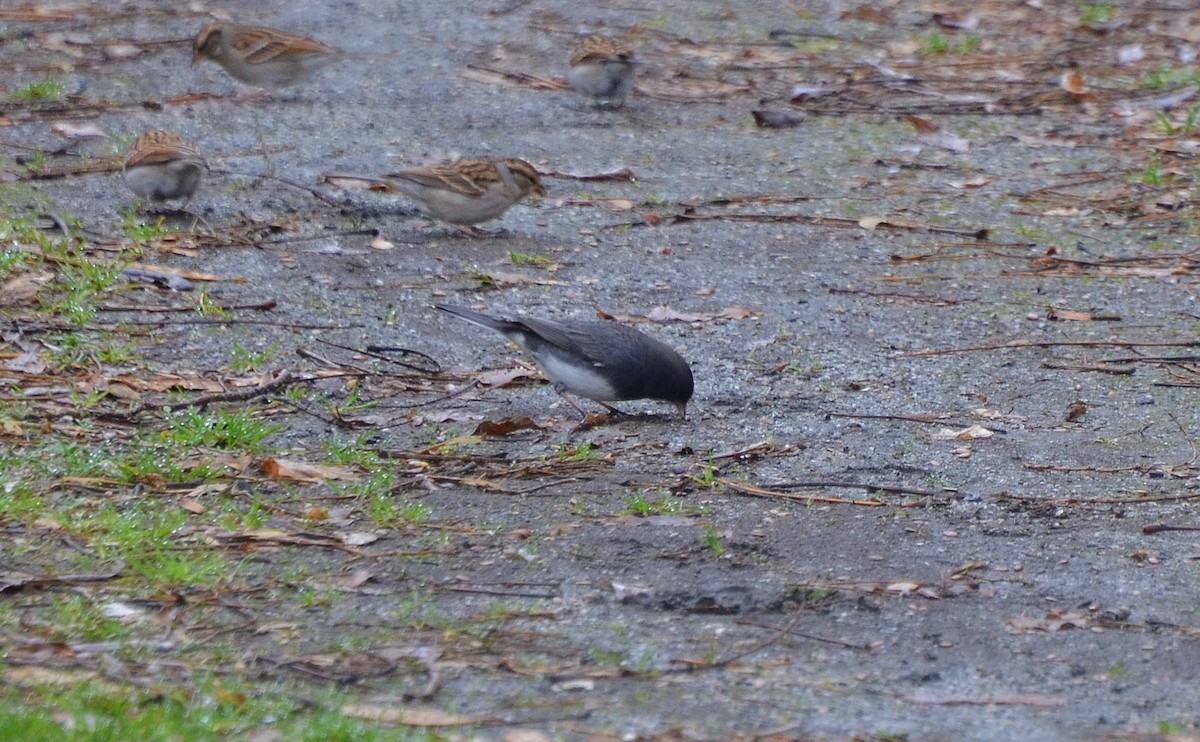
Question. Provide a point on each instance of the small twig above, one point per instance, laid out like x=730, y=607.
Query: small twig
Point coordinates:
x=760, y=492
x=231, y=321
x=373, y=352
x=285, y=378
x=261, y=306
x=312, y=191
x=779, y=634
x=897, y=295
x=803, y=635
x=930, y=420
x=822, y=484
x=1101, y=369
x=1160, y=527
x=1023, y=344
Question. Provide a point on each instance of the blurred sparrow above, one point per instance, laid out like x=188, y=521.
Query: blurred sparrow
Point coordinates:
x=261, y=56
x=161, y=166
x=603, y=68
x=465, y=191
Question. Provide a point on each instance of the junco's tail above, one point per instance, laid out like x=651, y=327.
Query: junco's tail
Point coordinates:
x=475, y=317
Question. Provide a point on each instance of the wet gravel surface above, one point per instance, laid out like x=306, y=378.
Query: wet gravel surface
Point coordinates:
x=990, y=588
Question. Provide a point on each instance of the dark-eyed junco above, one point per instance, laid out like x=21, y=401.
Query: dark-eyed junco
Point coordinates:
x=599, y=360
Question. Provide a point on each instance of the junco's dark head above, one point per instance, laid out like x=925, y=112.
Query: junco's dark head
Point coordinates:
x=598, y=360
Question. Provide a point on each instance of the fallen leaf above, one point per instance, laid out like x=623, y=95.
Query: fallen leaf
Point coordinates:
x=359, y=538
x=296, y=471
x=23, y=287
x=505, y=426
x=503, y=377
x=1052, y=622
x=1072, y=82
x=801, y=93
x=934, y=135
x=416, y=716
x=1076, y=410
x=976, y=182
x=777, y=119
x=956, y=19
x=1066, y=315
x=502, y=278
x=975, y=431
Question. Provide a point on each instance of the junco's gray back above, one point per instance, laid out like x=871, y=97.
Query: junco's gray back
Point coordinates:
x=599, y=360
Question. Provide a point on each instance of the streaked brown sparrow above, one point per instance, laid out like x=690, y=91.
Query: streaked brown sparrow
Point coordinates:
x=262, y=56
x=466, y=191
x=161, y=166
x=603, y=68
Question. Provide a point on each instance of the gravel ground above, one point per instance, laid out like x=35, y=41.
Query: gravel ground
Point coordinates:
x=985, y=588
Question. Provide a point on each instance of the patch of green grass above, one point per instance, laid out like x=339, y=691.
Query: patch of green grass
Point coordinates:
x=1094, y=14
x=706, y=475
x=1152, y=174
x=46, y=89
x=238, y=430
x=19, y=501
x=711, y=537
x=94, y=710
x=638, y=504
x=243, y=359
x=1119, y=669
x=584, y=451
x=140, y=535
x=605, y=657
x=934, y=43
x=1165, y=76
x=77, y=617
x=354, y=451
x=206, y=307
x=138, y=230
x=522, y=258
x=385, y=511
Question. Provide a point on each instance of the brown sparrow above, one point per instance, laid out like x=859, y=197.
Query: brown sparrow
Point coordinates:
x=161, y=166
x=261, y=56
x=465, y=191
x=603, y=68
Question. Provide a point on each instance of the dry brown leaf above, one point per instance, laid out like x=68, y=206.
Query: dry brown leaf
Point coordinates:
x=870, y=13
x=502, y=377
x=502, y=278
x=1076, y=410
x=1067, y=315
x=935, y=136
x=777, y=119
x=975, y=431
x=164, y=382
x=667, y=314
x=296, y=471
x=976, y=182
x=356, y=578
x=956, y=19
x=1052, y=622
x=23, y=287
x=505, y=426
x=1072, y=82
x=26, y=363
x=417, y=716
x=181, y=272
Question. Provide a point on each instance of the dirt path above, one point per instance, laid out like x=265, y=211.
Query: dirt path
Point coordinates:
x=944, y=378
